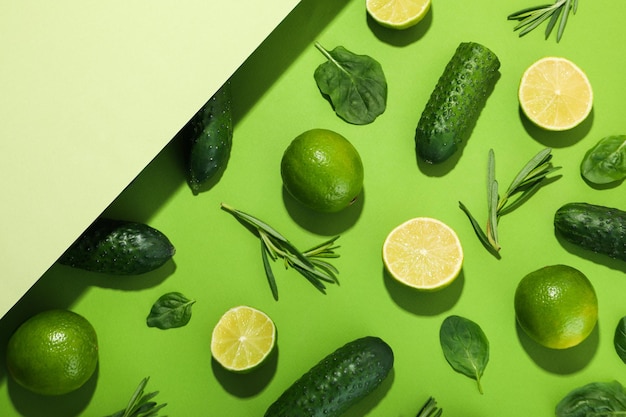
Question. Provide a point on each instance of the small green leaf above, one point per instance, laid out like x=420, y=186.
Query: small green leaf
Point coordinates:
x=530, y=18
x=274, y=246
x=606, y=161
x=619, y=339
x=492, y=220
x=552, y=22
x=355, y=84
x=465, y=347
x=538, y=162
x=601, y=399
x=430, y=409
x=169, y=311
x=139, y=404
x=524, y=185
x=565, y=14
x=477, y=229
x=266, y=255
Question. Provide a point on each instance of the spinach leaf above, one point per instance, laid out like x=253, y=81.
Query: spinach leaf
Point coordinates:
x=465, y=347
x=355, y=84
x=170, y=310
x=594, y=399
x=606, y=161
x=619, y=340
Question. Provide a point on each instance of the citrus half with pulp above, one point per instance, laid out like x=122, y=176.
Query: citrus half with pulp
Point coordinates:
x=556, y=306
x=52, y=353
x=243, y=338
x=397, y=14
x=423, y=253
x=555, y=94
x=322, y=170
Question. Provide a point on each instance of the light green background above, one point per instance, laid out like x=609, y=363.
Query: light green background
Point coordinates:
x=91, y=93
x=218, y=261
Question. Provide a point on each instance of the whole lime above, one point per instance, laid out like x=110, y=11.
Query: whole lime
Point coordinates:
x=322, y=170
x=556, y=306
x=53, y=353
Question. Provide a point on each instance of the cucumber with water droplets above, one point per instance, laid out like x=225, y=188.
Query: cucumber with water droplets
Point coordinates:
x=208, y=139
x=456, y=102
x=593, y=227
x=336, y=383
x=119, y=247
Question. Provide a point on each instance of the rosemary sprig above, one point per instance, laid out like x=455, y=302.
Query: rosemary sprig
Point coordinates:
x=430, y=409
x=527, y=181
x=311, y=264
x=532, y=17
x=140, y=404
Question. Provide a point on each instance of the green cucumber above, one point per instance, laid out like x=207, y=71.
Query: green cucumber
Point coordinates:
x=208, y=139
x=596, y=228
x=337, y=382
x=119, y=247
x=456, y=102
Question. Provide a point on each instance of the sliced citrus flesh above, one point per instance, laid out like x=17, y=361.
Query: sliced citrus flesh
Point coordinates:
x=423, y=253
x=555, y=94
x=397, y=14
x=243, y=338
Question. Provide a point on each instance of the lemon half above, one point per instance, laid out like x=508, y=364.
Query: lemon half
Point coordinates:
x=243, y=338
x=423, y=253
x=397, y=14
x=555, y=94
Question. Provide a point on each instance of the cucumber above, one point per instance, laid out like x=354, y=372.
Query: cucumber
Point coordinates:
x=118, y=247
x=208, y=139
x=456, y=102
x=337, y=382
x=596, y=228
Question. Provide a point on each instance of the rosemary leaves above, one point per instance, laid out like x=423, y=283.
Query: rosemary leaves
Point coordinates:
x=527, y=181
x=141, y=404
x=311, y=264
x=532, y=17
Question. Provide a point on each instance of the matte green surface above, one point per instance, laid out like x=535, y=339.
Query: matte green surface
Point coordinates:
x=218, y=261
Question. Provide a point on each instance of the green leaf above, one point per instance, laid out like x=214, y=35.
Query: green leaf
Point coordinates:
x=596, y=399
x=492, y=221
x=523, y=186
x=323, y=249
x=169, y=311
x=519, y=200
x=552, y=22
x=539, y=161
x=430, y=409
x=530, y=18
x=565, y=13
x=619, y=339
x=330, y=270
x=139, y=404
x=526, y=12
x=465, y=347
x=266, y=254
x=606, y=161
x=355, y=84
x=255, y=222
x=274, y=246
x=532, y=22
x=482, y=236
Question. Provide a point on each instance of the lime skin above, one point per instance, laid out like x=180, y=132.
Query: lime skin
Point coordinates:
x=54, y=352
x=322, y=170
x=556, y=306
